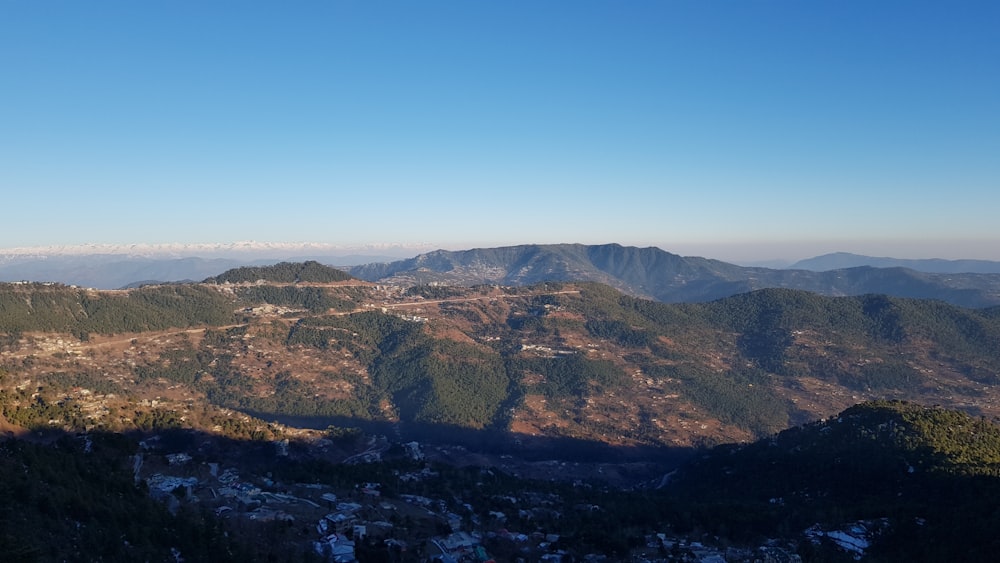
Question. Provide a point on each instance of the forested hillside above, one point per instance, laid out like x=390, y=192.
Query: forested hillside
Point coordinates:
x=57, y=308
x=284, y=272
x=576, y=361
x=925, y=479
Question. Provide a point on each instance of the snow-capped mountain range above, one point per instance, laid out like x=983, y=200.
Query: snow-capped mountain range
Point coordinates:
x=240, y=249
x=111, y=266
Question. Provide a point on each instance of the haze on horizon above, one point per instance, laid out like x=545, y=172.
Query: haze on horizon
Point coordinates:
x=737, y=131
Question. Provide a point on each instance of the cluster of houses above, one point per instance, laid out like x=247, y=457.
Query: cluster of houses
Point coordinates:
x=336, y=547
x=454, y=531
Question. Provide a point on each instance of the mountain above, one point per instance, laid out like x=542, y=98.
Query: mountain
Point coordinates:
x=642, y=271
x=841, y=260
x=645, y=272
x=656, y=274
x=533, y=407
x=577, y=361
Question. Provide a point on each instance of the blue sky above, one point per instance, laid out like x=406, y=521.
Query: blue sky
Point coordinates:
x=739, y=130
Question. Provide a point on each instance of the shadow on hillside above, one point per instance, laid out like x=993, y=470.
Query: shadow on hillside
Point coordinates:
x=80, y=489
x=492, y=442
x=530, y=457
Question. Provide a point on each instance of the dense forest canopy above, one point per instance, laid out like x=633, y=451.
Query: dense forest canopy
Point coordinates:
x=284, y=272
x=932, y=474
x=55, y=308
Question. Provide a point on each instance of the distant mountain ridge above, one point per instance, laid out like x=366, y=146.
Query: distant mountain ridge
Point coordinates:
x=114, y=266
x=111, y=271
x=648, y=272
x=654, y=273
x=841, y=260
x=645, y=272
x=243, y=250
x=114, y=271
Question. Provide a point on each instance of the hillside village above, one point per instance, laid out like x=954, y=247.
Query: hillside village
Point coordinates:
x=410, y=515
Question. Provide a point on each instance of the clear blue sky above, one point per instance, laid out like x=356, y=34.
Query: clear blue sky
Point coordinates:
x=737, y=130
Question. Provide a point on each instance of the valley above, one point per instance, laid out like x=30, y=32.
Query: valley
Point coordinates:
x=299, y=376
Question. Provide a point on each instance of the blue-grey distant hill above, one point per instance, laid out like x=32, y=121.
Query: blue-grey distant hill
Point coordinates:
x=113, y=271
x=840, y=260
x=657, y=274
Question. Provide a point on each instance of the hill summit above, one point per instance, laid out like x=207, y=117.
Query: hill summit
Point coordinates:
x=284, y=272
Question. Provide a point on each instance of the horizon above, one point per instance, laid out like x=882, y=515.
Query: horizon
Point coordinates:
x=750, y=132
x=270, y=250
